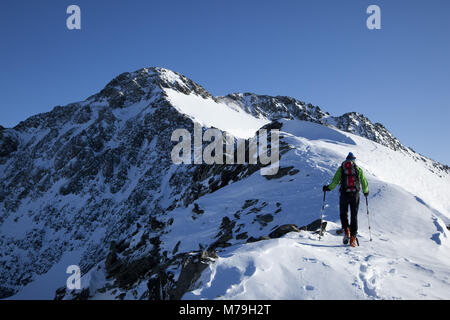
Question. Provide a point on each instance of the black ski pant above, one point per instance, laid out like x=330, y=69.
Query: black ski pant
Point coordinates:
x=349, y=199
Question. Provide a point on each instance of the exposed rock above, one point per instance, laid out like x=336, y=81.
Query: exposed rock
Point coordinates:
x=121, y=246
x=8, y=143
x=225, y=234
x=60, y=293
x=83, y=295
x=121, y=296
x=128, y=274
x=253, y=239
x=6, y=292
x=155, y=224
x=264, y=219
x=249, y=203
x=282, y=230
x=112, y=263
x=158, y=287
x=255, y=209
x=197, y=209
x=241, y=236
x=175, y=249
x=273, y=125
x=314, y=226
x=193, y=267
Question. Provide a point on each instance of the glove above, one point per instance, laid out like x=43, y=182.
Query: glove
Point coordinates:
x=325, y=188
x=366, y=194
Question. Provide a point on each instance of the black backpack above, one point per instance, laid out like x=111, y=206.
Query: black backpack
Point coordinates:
x=349, y=177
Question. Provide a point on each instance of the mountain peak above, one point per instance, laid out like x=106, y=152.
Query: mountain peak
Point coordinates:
x=130, y=87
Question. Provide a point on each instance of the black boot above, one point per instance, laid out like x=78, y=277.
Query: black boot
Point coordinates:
x=346, y=235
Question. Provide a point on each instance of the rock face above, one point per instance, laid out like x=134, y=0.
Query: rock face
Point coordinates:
x=192, y=268
x=8, y=142
x=315, y=226
x=96, y=177
x=284, y=229
x=111, y=153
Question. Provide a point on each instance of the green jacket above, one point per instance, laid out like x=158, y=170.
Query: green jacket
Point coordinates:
x=338, y=175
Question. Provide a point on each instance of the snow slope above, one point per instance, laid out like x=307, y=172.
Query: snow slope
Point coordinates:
x=210, y=113
x=409, y=257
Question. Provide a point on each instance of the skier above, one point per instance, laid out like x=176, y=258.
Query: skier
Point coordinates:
x=350, y=177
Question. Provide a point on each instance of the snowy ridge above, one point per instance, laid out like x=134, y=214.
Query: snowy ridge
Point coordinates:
x=273, y=108
x=408, y=258
x=92, y=184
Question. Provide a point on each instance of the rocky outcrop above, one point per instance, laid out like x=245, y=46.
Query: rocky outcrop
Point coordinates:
x=253, y=239
x=286, y=228
x=9, y=142
x=193, y=266
x=225, y=234
x=315, y=226
x=360, y=125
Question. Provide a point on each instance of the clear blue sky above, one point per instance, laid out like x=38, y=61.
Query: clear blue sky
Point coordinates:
x=317, y=51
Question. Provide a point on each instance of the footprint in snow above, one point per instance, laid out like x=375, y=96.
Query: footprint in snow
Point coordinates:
x=312, y=260
x=369, y=257
x=368, y=280
x=393, y=271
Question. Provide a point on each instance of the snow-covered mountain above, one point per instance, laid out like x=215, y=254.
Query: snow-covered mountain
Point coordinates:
x=92, y=184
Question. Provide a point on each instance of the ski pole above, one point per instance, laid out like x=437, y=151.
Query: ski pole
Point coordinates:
x=368, y=219
x=321, y=215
